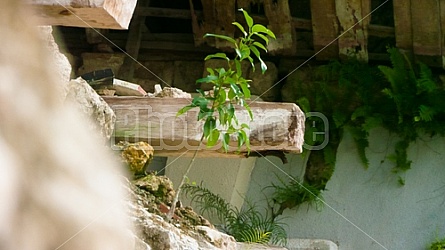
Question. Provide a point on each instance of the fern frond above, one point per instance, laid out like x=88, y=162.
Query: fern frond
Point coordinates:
x=237, y=223
x=426, y=113
x=294, y=193
x=210, y=203
x=255, y=235
x=425, y=83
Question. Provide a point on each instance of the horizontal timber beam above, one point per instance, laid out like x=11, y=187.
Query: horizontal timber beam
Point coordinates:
x=104, y=14
x=298, y=23
x=275, y=127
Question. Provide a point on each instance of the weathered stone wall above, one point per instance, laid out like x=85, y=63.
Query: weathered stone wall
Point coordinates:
x=183, y=74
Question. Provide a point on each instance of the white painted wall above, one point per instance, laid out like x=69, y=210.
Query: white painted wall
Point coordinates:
x=227, y=177
x=366, y=209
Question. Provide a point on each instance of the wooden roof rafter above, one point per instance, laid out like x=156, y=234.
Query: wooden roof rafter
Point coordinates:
x=103, y=14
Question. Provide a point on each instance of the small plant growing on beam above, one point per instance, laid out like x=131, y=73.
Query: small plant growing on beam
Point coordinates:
x=230, y=88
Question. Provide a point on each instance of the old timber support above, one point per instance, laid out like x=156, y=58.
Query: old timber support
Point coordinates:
x=276, y=126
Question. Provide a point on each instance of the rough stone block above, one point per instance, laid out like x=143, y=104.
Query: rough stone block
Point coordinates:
x=102, y=117
x=62, y=63
x=97, y=61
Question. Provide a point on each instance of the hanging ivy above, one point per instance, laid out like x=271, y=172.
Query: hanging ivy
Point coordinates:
x=404, y=98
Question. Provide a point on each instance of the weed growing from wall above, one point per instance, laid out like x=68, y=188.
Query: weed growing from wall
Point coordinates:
x=217, y=107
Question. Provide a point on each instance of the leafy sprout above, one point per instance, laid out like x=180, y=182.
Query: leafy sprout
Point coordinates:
x=230, y=88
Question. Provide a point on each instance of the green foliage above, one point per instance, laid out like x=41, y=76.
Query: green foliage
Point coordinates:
x=438, y=244
x=403, y=98
x=245, y=225
x=418, y=101
x=293, y=194
x=229, y=86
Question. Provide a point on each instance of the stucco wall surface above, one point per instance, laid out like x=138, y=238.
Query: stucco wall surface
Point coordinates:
x=367, y=209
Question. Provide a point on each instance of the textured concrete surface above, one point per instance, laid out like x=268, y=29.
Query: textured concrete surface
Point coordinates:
x=367, y=209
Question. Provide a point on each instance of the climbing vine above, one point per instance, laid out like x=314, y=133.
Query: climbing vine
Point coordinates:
x=403, y=97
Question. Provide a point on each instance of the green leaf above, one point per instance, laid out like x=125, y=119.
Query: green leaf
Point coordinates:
x=238, y=68
x=238, y=53
x=213, y=138
x=251, y=63
x=204, y=114
x=217, y=55
x=235, y=89
x=240, y=27
x=260, y=45
x=245, y=88
x=263, y=66
x=231, y=94
x=226, y=142
x=200, y=101
x=222, y=96
x=231, y=130
x=231, y=114
x=241, y=138
x=247, y=142
x=209, y=78
x=221, y=71
x=201, y=92
x=185, y=109
x=230, y=110
x=244, y=52
x=227, y=38
x=210, y=70
x=271, y=34
x=249, y=19
x=255, y=51
x=249, y=111
x=262, y=37
x=258, y=28
x=222, y=115
x=209, y=125
x=257, y=54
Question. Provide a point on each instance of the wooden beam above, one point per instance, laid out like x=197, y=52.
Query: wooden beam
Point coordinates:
x=425, y=19
x=132, y=47
x=276, y=126
x=166, y=12
x=325, y=29
x=280, y=22
x=350, y=13
x=402, y=24
x=298, y=23
x=217, y=18
x=442, y=30
x=104, y=14
x=175, y=46
x=380, y=31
